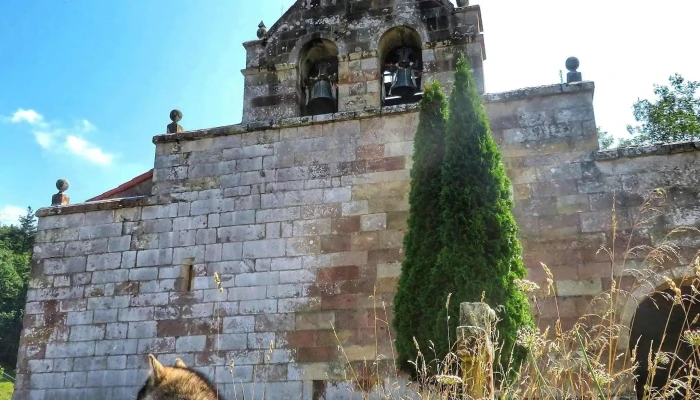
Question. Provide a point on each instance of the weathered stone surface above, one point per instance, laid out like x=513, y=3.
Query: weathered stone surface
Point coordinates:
x=280, y=231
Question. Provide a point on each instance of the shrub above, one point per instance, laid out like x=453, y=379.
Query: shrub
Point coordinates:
x=481, y=253
x=421, y=242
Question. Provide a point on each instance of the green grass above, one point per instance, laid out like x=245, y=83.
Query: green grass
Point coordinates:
x=6, y=389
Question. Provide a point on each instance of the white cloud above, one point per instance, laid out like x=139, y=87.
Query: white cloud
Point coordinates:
x=52, y=137
x=87, y=150
x=29, y=116
x=9, y=215
x=44, y=139
x=87, y=126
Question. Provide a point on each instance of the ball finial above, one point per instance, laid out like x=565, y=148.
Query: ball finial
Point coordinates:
x=573, y=75
x=262, y=30
x=62, y=185
x=175, y=115
x=572, y=64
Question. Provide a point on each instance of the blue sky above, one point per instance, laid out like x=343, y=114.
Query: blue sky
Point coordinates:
x=84, y=85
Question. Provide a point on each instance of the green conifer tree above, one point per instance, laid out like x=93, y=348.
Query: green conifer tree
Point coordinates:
x=480, y=251
x=421, y=242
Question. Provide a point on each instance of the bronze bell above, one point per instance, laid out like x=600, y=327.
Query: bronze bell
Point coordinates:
x=403, y=83
x=321, y=100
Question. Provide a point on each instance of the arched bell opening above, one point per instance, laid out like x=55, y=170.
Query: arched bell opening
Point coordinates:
x=401, y=60
x=318, y=73
x=658, y=326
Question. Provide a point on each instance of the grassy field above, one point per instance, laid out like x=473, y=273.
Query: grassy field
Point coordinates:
x=5, y=390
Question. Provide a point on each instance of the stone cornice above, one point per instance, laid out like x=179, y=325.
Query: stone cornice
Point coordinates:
x=370, y=113
x=658, y=149
x=112, y=204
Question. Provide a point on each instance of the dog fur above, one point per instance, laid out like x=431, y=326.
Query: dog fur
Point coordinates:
x=178, y=382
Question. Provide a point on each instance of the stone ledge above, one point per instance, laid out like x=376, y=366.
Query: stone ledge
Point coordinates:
x=369, y=113
x=283, y=123
x=655, y=150
x=111, y=204
x=539, y=91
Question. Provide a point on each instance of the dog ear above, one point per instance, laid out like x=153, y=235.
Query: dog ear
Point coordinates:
x=157, y=370
x=179, y=363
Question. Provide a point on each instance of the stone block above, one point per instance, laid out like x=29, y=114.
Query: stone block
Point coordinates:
x=237, y=218
x=118, y=244
x=116, y=362
x=321, y=211
x=103, y=261
x=373, y=222
x=83, y=333
x=315, y=320
x=148, y=258
x=268, y=248
x=47, y=380
x=277, y=215
x=573, y=204
x=241, y=233
x=101, y=316
x=69, y=265
x=142, y=329
x=581, y=287
x=119, y=275
x=40, y=366
x=337, y=195
x=70, y=350
x=106, y=230
x=258, y=306
x=232, y=251
x=135, y=314
x=62, y=221
x=236, y=341
x=188, y=344
x=311, y=227
x=257, y=279
x=303, y=246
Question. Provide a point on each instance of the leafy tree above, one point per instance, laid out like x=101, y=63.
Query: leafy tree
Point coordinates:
x=16, y=244
x=13, y=291
x=605, y=139
x=674, y=116
x=421, y=242
x=480, y=251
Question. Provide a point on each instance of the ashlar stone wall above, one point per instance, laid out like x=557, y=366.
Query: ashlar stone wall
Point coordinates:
x=268, y=244
x=299, y=225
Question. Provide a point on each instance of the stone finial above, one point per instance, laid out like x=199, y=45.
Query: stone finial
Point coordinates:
x=175, y=116
x=573, y=75
x=61, y=198
x=262, y=30
x=462, y=3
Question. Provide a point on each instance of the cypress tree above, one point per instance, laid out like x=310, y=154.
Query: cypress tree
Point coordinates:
x=480, y=251
x=421, y=242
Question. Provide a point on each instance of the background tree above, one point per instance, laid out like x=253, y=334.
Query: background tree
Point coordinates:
x=605, y=139
x=480, y=252
x=16, y=244
x=674, y=116
x=421, y=242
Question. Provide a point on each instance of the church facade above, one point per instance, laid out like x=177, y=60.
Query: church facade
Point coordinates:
x=270, y=251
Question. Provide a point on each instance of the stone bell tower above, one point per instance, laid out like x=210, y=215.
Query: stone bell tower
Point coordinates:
x=336, y=56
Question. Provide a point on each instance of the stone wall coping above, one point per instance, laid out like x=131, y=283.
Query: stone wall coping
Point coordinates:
x=656, y=149
x=539, y=91
x=369, y=113
x=111, y=204
x=283, y=123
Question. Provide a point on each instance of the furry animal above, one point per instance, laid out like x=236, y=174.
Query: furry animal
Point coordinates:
x=178, y=382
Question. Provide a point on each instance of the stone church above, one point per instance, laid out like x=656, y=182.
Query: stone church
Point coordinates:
x=252, y=251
